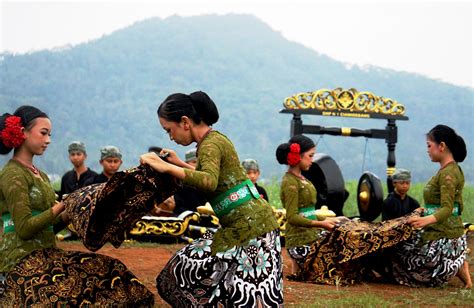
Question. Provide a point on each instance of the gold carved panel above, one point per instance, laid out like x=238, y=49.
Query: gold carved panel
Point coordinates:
x=348, y=101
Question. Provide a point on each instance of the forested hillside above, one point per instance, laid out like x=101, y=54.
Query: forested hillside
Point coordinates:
x=107, y=91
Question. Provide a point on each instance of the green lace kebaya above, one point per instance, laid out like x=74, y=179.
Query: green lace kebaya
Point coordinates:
x=22, y=195
x=297, y=194
x=445, y=189
x=218, y=169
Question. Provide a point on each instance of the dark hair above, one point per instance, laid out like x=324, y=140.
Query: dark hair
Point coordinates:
x=454, y=142
x=155, y=149
x=283, y=149
x=27, y=114
x=197, y=106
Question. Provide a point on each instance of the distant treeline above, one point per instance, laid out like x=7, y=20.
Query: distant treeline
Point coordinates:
x=107, y=91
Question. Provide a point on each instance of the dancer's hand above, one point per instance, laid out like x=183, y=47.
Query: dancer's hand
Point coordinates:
x=172, y=156
x=65, y=217
x=153, y=160
x=57, y=208
x=339, y=219
x=328, y=224
x=420, y=222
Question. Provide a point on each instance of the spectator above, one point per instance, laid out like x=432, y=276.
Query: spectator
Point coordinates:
x=190, y=157
x=111, y=160
x=76, y=178
x=253, y=173
x=398, y=202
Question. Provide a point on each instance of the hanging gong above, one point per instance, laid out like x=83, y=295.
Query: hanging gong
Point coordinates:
x=369, y=196
x=327, y=178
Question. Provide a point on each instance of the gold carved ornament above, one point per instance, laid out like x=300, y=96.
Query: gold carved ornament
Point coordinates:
x=171, y=226
x=178, y=226
x=349, y=100
x=280, y=215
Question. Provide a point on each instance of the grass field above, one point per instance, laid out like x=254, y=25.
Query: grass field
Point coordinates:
x=146, y=260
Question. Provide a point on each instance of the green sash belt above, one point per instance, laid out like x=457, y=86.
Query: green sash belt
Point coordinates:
x=308, y=212
x=8, y=225
x=430, y=209
x=234, y=197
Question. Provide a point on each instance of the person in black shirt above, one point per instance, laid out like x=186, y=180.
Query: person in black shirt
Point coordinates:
x=77, y=177
x=188, y=198
x=398, y=203
x=111, y=160
x=74, y=179
x=253, y=173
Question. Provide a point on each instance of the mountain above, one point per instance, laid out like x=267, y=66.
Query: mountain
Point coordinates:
x=107, y=91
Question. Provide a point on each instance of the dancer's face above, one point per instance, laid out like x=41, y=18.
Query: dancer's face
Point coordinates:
x=435, y=151
x=38, y=137
x=307, y=159
x=178, y=132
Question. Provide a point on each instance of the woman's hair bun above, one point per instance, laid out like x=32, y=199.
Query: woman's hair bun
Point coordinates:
x=460, y=150
x=282, y=153
x=205, y=107
x=197, y=106
x=455, y=143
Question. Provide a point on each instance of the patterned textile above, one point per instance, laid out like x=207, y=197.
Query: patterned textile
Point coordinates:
x=2, y=284
x=299, y=254
x=431, y=264
x=70, y=278
x=337, y=258
x=102, y=213
x=244, y=276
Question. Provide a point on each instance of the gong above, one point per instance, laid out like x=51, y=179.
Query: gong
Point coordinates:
x=369, y=196
x=327, y=178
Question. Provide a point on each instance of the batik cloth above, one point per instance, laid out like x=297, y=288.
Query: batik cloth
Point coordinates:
x=55, y=277
x=432, y=264
x=2, y=284
x=243, y=276
x=339, y=257
x=299, y=254
x=102, y=213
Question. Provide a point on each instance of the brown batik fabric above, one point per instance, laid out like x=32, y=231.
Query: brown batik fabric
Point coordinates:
x=102, y=213
x=344, y=256
x=53, y=277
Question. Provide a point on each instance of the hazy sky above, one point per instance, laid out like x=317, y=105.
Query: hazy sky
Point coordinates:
x=426, y=37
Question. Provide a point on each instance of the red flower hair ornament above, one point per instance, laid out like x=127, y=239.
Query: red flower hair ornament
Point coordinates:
x=12, y=135
x=293, y=158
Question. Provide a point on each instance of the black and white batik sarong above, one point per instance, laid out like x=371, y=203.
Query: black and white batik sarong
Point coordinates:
x=299, y=254
x=244, y=276
x=2, y=284
x=432, y=264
